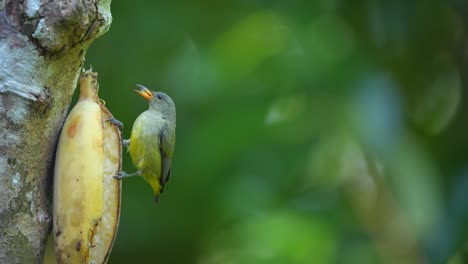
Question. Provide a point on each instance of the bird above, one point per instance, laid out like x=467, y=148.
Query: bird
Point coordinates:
x=152, y=140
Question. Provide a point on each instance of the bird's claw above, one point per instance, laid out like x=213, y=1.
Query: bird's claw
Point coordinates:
x=119, y=175
x=116, y=122
x=126, y=143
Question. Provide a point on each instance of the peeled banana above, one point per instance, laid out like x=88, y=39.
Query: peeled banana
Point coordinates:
x=86, y=196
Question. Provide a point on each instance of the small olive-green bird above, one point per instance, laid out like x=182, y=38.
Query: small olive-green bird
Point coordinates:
x=152, y=141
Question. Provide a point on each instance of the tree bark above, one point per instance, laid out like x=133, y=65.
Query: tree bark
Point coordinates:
x=42, y=49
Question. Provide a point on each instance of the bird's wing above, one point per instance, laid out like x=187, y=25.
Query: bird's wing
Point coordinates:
x=166, y=148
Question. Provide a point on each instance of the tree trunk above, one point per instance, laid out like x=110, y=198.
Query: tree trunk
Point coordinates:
x=42, y=49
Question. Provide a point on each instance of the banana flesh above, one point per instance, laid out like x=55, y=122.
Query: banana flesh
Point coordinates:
x=86, y=197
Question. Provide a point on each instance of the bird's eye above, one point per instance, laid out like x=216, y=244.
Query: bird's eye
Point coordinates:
x=159, y=96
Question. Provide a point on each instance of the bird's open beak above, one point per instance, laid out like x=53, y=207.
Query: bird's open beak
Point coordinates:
x=145, y=92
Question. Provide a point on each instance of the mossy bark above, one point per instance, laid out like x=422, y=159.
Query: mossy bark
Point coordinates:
x=42, y=49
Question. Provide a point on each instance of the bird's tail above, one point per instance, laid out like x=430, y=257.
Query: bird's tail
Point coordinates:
x=156, y=186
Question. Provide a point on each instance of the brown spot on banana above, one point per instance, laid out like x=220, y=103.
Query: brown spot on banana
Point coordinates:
x=73, y=127
x=78, y=246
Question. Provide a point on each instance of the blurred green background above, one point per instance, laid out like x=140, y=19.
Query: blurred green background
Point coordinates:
x=307, y=131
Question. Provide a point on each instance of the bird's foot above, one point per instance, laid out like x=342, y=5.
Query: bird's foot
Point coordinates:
x=116, y=122
x=122, y=174
x=126, y=143
x=119, y=175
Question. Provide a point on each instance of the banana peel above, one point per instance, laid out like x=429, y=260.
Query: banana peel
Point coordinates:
x=86, y=196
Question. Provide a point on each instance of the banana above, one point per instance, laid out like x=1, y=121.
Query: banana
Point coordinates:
x=86, y=197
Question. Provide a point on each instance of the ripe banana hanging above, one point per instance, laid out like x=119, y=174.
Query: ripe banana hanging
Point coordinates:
x=86, y=197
